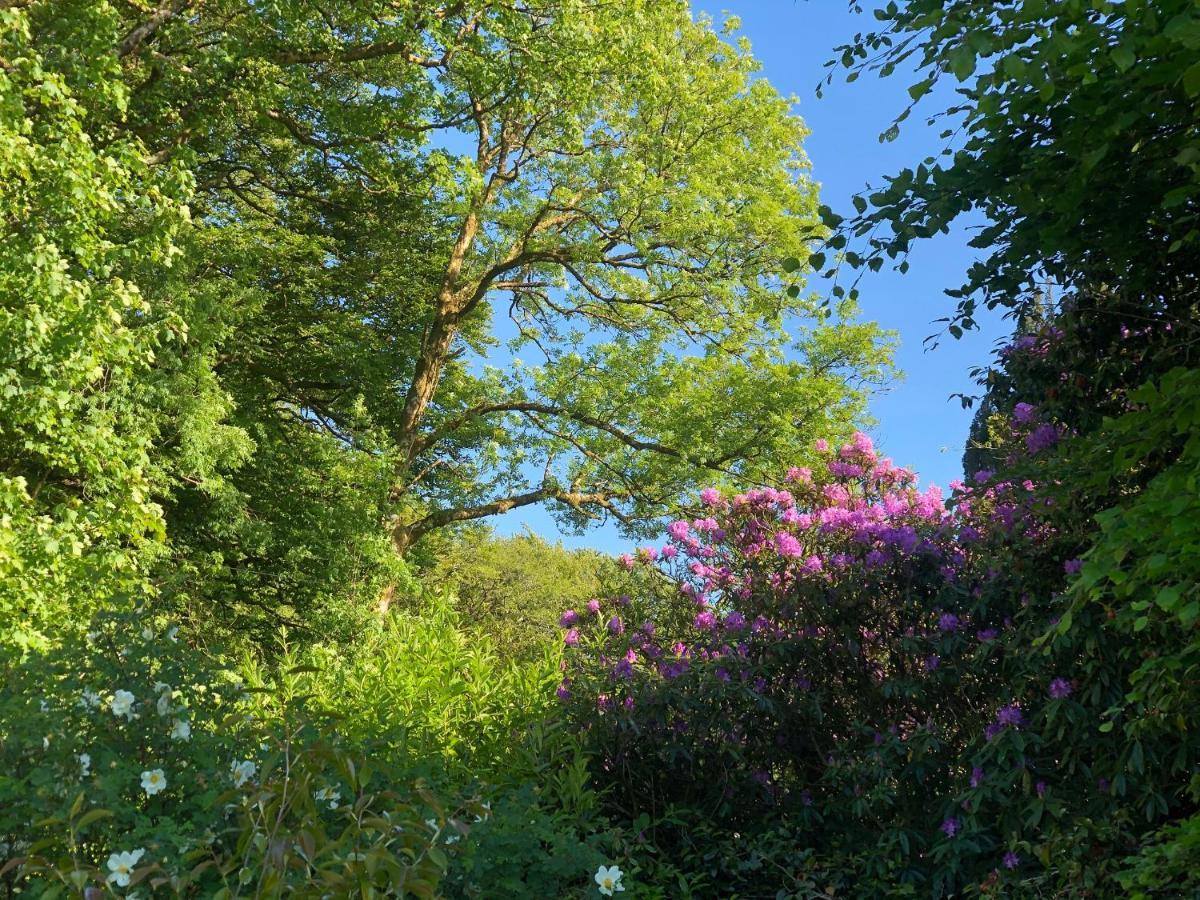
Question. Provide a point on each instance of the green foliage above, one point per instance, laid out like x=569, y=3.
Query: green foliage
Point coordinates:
x=63, y=737
x=421, y=690
x=258, y=798
x=1142, y=574
x=376, y=183
x=525, y=848
x=1167, y=866
x=83, y=220
x=293, y=538
x=295, y=366
x=514, y=588
x=1072, y=131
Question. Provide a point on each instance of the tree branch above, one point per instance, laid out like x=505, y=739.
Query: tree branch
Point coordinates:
x=548, y=409
x=133, y=41
x=404, y=536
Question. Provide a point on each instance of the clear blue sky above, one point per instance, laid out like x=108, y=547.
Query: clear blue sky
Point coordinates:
x=918, y=425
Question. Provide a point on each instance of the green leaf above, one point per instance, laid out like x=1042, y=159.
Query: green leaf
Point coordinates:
x=962, y=62
x=1167, y=598
x=93, y=815
x=1124, y=58
x=920, y=89
x=1191, y=80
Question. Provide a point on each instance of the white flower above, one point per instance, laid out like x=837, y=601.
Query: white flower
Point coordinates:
x=609, y=880
x=173, y=634
x=91, y=636
x=43, y=706
x=329, y=795
x=89, y=699
x=148, y=633
x=121, y=866
x=160, y=686
x=164, y=703
x=241, y=772
x=85, y=765
x=181, y=730
x=122, y=704
x=153, y=781
x=46, y=743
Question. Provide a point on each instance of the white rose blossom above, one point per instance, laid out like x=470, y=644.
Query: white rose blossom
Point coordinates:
x=181, y=730
x=153, y=781
x=164, y=698
x=241, y=772
x=89, y=699
x=329, y=795
x=608, y=879
x=120, y=865
x=122, y=704
x=85, y=765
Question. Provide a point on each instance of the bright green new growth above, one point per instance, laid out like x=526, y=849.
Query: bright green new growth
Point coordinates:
x=514, y=589
x=83, y=219
x=442, y=262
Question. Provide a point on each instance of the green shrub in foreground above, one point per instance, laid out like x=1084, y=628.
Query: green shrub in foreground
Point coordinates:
x=130, y=757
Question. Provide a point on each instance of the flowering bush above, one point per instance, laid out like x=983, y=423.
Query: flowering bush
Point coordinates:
x=886, y=677
x=132, y=759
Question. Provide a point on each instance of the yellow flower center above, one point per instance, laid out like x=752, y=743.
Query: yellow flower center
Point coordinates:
x=608, y=882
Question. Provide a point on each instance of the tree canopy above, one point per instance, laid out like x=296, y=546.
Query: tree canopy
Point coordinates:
x=442, y=261
x=1065, y=112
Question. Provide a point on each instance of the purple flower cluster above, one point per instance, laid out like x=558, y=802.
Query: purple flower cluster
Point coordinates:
x=1060, y=689
x=777, y=587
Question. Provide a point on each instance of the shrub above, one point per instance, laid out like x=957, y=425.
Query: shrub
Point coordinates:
x=893, y=684
x=130, y=757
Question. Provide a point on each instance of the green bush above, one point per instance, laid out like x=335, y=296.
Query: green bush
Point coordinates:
x=513, y=588
x=127, y=748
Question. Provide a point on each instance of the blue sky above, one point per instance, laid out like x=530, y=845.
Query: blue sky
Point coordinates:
x=918, y=424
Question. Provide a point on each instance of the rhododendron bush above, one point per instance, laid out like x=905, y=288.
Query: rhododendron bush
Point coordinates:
x=872, y=668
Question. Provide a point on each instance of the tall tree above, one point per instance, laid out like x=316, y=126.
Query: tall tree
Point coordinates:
x=445, y=260
x=83, y=221
x=604, y=188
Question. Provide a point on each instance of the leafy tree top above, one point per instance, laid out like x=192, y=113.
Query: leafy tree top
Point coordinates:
x=385, y=182
x=1066, y=112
